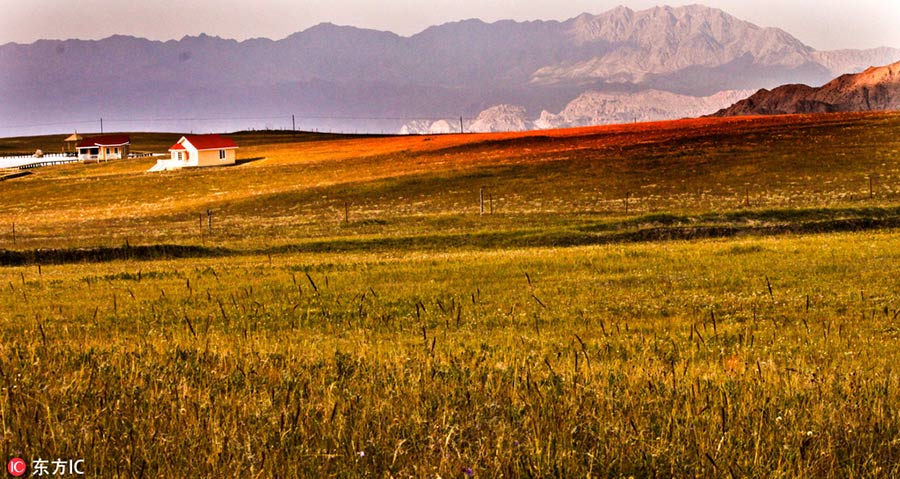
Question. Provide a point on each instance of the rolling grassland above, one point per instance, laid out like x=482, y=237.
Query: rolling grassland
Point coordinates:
x=702, y=298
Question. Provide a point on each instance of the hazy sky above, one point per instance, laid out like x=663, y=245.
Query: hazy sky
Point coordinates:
x=822, y=24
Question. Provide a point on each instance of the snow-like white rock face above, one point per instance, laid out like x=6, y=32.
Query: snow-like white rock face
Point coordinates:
x=415, y=127
x=494, y=119
x=441, y=127
x=598, y=108
x=500, y=118
x=590, y=108
x=427, y=127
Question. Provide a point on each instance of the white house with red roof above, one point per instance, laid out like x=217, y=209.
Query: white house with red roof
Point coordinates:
x=103, y=148
x=193, y=151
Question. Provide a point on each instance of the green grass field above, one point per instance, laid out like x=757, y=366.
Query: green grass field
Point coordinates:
x=710, y=298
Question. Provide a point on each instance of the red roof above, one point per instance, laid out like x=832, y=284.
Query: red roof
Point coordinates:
x=106, y=140
x=177, y=146
x=207, y=142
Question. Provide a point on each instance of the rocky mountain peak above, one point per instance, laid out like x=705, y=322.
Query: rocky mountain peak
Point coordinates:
x=876, y=89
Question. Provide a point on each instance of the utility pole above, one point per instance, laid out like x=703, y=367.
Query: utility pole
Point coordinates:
x=461, y=125
x=101, y=124
x=293, y=124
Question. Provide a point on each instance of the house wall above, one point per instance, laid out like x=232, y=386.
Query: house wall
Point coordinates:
x=189, y=156
x=85, y=153
x=113, y=155
x=211, y=158
x=200, y=158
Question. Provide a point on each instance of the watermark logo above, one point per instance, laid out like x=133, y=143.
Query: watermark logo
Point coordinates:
x=16, y=467
x=57, y=467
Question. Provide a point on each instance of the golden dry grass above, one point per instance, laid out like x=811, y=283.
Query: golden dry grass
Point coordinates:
x=613, y=361
x=686, y=167
x=559, y=337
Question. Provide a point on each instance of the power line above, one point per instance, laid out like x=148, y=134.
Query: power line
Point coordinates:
x=223, y=118
x=286, y=117
x=50, y=124
x=149, y=120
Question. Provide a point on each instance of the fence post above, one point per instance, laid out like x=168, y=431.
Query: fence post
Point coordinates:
x=481, y=199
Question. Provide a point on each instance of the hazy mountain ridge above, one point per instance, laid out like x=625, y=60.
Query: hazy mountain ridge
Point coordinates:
x=599, y=108
x=665, y=40
x=347, y=77
x=875, y=89
x=589, y=108
x=841, y=62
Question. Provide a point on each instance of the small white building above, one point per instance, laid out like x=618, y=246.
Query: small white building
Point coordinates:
x=193, y=151
x=103, y=148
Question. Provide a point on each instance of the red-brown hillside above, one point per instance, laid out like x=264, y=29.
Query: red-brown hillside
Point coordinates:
x=876, y=89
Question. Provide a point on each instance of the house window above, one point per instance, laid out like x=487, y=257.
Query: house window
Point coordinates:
x=180, y=157
x=117, y=150
x=221, y=154
x=107, y=150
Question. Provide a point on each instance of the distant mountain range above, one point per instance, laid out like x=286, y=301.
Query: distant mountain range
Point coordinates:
x=349, y=78
x=589, y=108
x=877, y=88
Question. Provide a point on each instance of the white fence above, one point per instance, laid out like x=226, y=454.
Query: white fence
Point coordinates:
x=31, y=161
x=25, y=162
